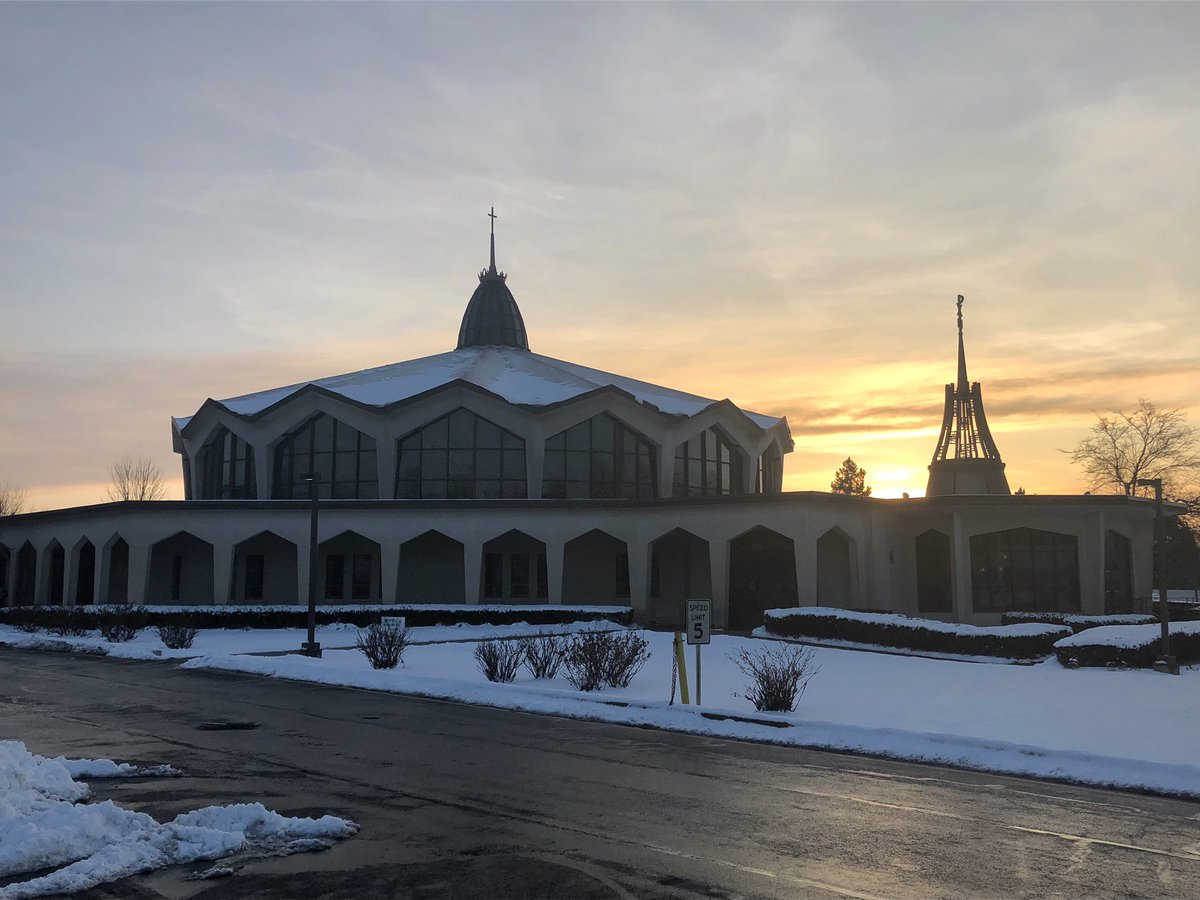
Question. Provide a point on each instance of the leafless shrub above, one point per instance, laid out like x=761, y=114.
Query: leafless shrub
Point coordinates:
x=383, y=645
x=544, y=654
x=13, y=500
x=120, y=623
x=627, y=653
x=64, y=621
x=499, y=660
x=178, y=637
x=778, y=676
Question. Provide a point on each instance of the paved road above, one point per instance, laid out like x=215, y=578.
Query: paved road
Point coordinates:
x=463, y=801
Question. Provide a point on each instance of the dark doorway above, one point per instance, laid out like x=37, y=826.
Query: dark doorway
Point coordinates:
x=1118, y=573
x=835, y=570
x=596, y=570
x=117, y=582
x=26, y=575
x=431, y=570
x=349, y=565
x=181, y=571
x=514, y=569
x=264, y=570
x=934, y=589
x=762, y=576
x=679, y=571
x=85, y=573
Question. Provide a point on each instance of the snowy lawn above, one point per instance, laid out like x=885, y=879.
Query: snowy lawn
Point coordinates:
x=212, y=641
x=1128, y=728
x=45, y=824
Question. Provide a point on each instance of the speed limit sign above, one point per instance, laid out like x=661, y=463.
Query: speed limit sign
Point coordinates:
x=699, y=621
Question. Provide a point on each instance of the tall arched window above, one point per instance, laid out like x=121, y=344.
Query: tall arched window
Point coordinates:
x=344, y=457
x=227, y=468
x=709, y=463
x=602, y=457
x=1025, y=569
x=461, y=456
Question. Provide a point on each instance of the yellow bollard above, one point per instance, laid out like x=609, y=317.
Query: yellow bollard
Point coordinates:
x=682, y=666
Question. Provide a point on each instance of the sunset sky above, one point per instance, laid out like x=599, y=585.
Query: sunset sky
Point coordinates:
x=771, y=203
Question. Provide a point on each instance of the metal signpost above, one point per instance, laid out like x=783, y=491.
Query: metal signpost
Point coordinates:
x=699, y=631
x=311, y=647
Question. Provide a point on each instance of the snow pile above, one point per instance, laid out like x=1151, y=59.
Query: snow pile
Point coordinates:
x=44, y=824
x=1126, y=636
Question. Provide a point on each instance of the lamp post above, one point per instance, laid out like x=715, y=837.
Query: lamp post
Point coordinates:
x=1165, y=662
x=311, y=647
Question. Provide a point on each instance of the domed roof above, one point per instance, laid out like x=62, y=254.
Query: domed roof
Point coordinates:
x=492, y=318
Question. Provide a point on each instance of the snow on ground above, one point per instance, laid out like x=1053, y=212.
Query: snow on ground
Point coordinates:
x=1130, y=728
x=212, y=641
x=1125, y=635
x=45, y=825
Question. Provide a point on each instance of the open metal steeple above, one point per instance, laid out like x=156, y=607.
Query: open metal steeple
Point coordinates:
x=965, y=460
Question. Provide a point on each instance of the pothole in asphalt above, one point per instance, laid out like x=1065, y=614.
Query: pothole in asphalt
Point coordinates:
x=372, y=718
x=226, y=726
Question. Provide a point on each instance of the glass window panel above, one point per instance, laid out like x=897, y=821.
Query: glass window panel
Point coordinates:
x=322, y=428
x=555, y=466
x=410, y=464
x=519, y=575
x=434, y=463
x=345, y=466
x=360, y=587
x=602, y=469
x=551, y=490
x=578, y=468
x=487, y=435
x=514, y=464
x=366, y=467
x=558, y=442
x=462, y=465
x=335, y=576
x=463, y=489
x=490, y=489
x=408, y=490
x=462, y=429
x=435, y=434
x=512, y=442
x=493, y=576
x=578, y=437
x=602, y=433
x=489, y=464
x=514, y=488
x=433, y=489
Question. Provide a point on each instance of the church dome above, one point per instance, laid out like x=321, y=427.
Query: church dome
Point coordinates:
x=492, y=318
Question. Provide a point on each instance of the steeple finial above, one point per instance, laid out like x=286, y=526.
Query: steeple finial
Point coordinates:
x=492, y=216
x=963, y=384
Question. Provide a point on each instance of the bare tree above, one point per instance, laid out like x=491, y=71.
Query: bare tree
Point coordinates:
x=136, y=479
x=1146, y=442
x=13, y=500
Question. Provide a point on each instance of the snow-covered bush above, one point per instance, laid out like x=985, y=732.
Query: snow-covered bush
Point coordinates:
x=499, y=660
x=778, y=675
x=1077, y=622
x=178, y=637
x=383, y=645
x=544, y=654
x=1027, y=641
x=120, y=623
x=1128, y=646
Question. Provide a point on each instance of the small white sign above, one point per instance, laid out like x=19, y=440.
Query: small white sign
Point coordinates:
x=392, y=621
x=699, y=621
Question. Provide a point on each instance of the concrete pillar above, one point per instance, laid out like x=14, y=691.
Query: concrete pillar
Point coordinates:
x=103, y=563
x=70, y=575
x=139, y=572
x=718, y=562
x=302, y=563
x=961, y=562
x=41, y=578
x=666, y=471
x=473, y=569
x=389, y=567
x=263, y=470
x=535, y=466
x=222, y=572
x=385, y=471
x=1091, y=565
x=639, y=578
x=806, y=568
x=10, y=577
x=555, y=551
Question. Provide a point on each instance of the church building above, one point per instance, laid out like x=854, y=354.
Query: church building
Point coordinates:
x=493, y=474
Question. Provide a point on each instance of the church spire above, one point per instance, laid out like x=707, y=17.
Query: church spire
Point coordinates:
x=965, y=460
x=492, y=267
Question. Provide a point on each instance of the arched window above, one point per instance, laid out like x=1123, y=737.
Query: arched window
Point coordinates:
x=227, y=468
x=709, y=463
x=602, y=457
x=343, y=456
x=769, y=478
x=1025, y=569
x=461, y=456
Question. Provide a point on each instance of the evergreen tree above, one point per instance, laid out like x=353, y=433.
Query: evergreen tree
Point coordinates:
x=850, y=479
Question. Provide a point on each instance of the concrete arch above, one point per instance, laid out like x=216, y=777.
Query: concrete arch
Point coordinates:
x=431, y=570
x=113, y=575
x=680, y=569
x=514, y=569
x=596, y=569
x=25, y=577
x=81, y=586
x=181, y=570
x=837, y=569
x=264, y=570
x=762, y=576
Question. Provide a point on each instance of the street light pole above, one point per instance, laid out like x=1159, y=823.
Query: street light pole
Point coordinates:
x=311, y=647
x=1165, y=662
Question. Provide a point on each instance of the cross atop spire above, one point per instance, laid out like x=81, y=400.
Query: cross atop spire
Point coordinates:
x=963, y=384
x=492, y=216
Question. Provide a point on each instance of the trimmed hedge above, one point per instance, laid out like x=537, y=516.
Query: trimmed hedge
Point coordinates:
x=297, y=616
x=1028, y=641
x=1074, y=621
x=1137, y=652
x=1179, y=610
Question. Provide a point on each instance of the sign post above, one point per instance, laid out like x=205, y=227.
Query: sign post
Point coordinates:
x=699, y=631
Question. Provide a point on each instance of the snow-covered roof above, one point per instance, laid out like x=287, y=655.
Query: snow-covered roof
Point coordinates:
x=518, y=376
